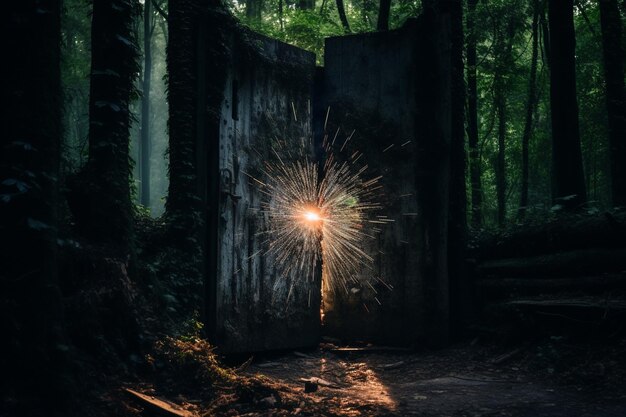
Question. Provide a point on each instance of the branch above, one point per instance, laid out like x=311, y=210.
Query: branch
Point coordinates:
x=159, y=9
x=583, y=12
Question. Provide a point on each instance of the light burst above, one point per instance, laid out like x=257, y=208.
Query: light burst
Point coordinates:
x=320, y=212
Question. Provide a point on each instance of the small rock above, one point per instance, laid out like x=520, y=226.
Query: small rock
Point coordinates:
x=268, y=401
x=310, y=386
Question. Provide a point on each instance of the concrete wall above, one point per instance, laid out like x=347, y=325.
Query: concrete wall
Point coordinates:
x=266, y=80
x=398, y=105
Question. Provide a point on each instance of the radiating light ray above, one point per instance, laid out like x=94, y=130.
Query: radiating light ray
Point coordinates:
x=319, y=213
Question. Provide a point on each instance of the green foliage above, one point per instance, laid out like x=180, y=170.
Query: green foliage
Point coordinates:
x=492, y=18
x=75, y=68
x=159, y=136
x=499, y=22
x=307, y=29
x=591, y=102
x=191, y=361
x=191, y=329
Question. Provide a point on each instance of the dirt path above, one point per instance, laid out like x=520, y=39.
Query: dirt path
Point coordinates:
x=454, y=382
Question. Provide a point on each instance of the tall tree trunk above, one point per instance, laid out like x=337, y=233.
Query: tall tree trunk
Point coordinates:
x=31, y=326
x=366, y=8
x=500, y=171
x=254, y=9
x=383, y=15
x=182, y=207
x=101, y=192
x=472, y=117
x=568, y=177
x=531, y=102
x=305, y=4
x=613, y=49
x=545, y=35
x=503, y=50
x=342, y=16
x=434, y=123
x=145, y=106
x=460, y=291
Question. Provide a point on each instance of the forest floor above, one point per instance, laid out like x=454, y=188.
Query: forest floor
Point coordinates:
x=462, y=381
x=547, y=378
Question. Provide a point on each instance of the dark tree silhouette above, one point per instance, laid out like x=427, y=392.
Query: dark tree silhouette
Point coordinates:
x=568, y=183
x=613, y=49
x=31, y=326
x=460, y=294
x=183, y=205
x=342, y=15
x=254, y=9
x=531, y=103
x=440, y=120
x=503, y=46
x=472, y=117
x=383, y=15
x=305, y=4
x=101, y=192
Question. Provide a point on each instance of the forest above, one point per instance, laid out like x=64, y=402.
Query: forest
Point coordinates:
x=313, y=208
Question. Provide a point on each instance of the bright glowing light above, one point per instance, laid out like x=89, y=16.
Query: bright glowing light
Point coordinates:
x=320, y=212
x=312, y=216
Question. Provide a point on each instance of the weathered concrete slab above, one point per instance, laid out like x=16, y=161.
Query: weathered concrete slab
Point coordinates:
x=369, y=85
x=266, y=98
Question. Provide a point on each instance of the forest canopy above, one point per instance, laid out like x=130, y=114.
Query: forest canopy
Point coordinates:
x=507, y=69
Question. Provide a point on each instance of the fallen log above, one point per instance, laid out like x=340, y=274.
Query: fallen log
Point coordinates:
x=607, y=230
x=492, y=289
x=608, y=281
x=563, y=264
x=587, y=303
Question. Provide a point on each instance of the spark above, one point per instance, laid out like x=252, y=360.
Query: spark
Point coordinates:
x=388, y=147
x=319, y=213
x=326, y=120
x=293, y=107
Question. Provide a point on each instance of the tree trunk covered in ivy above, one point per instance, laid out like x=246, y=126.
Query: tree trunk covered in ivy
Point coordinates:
x=197, y=54
x=30, y=300
x=613, y=49
x=472, y=117
x=101, y=193
x=567, y=165
x=183, y=204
